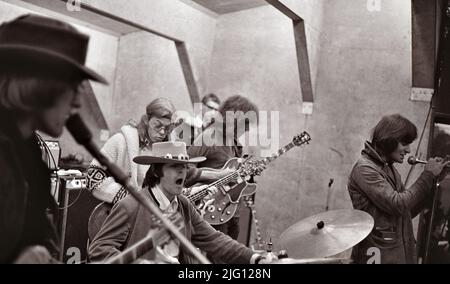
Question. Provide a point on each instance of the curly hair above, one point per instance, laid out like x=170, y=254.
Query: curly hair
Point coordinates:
x=238, y=108
x=237, y=103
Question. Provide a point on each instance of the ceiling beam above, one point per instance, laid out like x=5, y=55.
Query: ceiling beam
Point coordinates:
x=301, y=47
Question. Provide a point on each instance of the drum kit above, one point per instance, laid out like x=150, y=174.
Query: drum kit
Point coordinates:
x=316, y=239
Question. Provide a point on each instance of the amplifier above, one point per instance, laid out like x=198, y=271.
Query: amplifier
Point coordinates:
x=75, y=206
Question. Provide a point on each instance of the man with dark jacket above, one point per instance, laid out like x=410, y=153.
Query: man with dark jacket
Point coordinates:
x=375, y=187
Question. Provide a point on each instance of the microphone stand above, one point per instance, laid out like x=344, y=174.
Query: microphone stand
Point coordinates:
x=76, y=126
x=327, y=205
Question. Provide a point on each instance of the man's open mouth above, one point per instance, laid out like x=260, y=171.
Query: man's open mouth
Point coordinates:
x=179, y=181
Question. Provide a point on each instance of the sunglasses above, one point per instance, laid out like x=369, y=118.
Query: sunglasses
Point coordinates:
x=158, y=126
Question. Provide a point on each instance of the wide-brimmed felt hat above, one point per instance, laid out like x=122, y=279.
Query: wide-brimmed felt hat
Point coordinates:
x=32, y=42
x=168, y=152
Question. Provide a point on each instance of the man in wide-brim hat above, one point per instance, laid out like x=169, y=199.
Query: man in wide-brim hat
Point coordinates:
x=42, y=68
x=129, y=222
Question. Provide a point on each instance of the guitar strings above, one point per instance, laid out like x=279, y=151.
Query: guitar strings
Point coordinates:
x=204, y=192
x=227, y=178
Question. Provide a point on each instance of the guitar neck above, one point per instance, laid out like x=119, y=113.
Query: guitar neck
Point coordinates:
x=218, y=183
x=225, y=180
x=278, y=153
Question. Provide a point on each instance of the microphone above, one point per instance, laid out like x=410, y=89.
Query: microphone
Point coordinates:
x=83, y=136
x=413, y=160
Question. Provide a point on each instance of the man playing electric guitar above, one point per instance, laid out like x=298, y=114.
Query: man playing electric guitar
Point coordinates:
x=219, y=143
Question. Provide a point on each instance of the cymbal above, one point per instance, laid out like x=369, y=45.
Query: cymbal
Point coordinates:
x=326, y=234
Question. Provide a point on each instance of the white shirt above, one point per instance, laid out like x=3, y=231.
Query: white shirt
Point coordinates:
x=166, y=206
x=169, y=252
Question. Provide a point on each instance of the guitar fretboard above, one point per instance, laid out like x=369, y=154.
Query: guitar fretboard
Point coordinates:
x=233, y=176
x=278, y=153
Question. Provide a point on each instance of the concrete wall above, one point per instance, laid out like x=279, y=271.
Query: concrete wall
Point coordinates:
x=101, y=57
x=148, y=67
x=361, y=64
x=174, y=19
x=254, y=55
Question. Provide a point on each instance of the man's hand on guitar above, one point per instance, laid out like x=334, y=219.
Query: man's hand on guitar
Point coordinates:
x=253, y=167
x=260, y=167
x=207, y=200
x=211, y=190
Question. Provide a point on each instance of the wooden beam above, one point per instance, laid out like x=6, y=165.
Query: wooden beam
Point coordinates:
x=284, y=9
x=301, y=49
x=303, y=61
x=187, y=71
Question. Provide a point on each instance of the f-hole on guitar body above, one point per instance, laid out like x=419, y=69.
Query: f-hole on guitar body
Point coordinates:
x=226, y=201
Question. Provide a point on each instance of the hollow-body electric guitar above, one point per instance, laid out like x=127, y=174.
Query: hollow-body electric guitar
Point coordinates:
x=223, y=205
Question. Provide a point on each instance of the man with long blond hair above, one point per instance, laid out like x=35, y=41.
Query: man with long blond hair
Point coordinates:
x=132, y=140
